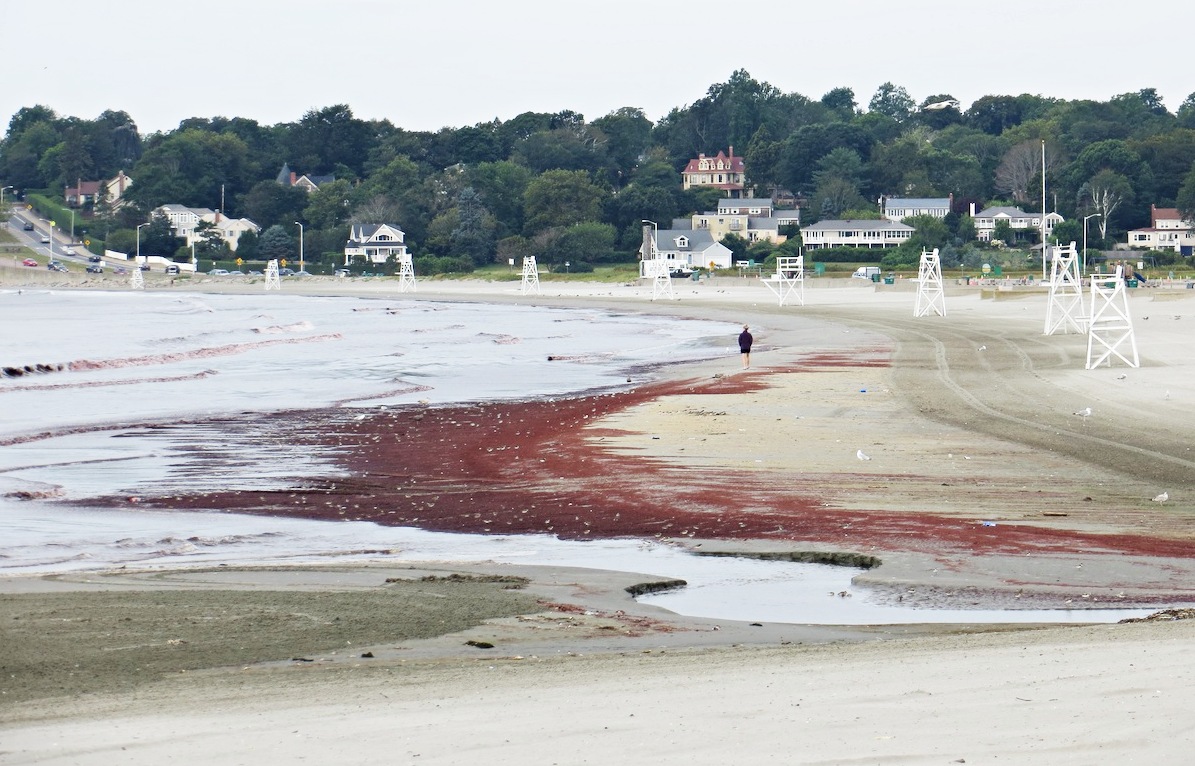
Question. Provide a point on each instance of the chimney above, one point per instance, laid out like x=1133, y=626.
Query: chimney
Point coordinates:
x=972, y=209
x=732, y=151
x=293, y=178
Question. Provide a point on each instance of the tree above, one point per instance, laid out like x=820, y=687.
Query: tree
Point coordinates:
x=835, y=196
x=328, y=206
x=473, y=234
x=1020, y=166
x=208, y=241
x=276, y=243
x=1105, y=193
x=270, y=202
x=841, y=101
x=587, y=242
x=1186, y=196
x=892, y=101
x=560, y=198
x=1002, y=232
x=194, y=168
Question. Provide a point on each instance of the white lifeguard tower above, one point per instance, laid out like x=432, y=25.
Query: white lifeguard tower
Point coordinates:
x=931, y=296
x=406, y=273
x=530, y=275
x=1110, y=327
x=273, y=281
x=137, y=280
x=654, y=266
x=1064, y=312
x=789, y=279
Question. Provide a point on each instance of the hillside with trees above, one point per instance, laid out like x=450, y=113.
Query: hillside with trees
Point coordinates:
x=559, y=186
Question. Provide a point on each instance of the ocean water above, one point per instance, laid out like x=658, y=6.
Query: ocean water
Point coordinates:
x=122, y=363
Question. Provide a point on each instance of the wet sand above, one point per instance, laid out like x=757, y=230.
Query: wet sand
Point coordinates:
x=981, y=487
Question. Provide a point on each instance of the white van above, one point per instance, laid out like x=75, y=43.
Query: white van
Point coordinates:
x=867, y=272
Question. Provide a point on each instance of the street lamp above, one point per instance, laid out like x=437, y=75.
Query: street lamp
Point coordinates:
x=72, y=227
x=138, y=258
x=2, y=190
x=1093, y=215
x=300, y=245
x=51, y=241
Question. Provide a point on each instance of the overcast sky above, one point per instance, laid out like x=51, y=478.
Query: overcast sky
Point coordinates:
x=427, y=65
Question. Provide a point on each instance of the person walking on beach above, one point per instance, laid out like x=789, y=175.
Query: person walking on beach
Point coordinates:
x=745, y=341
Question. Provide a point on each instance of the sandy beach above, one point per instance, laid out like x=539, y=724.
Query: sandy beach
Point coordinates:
x=949, y=450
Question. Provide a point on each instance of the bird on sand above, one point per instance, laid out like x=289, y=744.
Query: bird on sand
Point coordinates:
x=1162, y=497
x=862, y=455
x=1084, y=413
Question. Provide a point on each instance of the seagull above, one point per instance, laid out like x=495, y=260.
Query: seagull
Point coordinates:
x=1162, y=497
x=862, y=455
x=983, y=348
x=1121, y=376
x=1084, y=413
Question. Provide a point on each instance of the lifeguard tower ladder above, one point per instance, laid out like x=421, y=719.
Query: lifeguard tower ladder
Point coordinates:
x=406, y=274
x=530, y=275
x=1064, y=312
x=655, y=267
x=931, y=297
x=273, y=282
x=789, y=279
x=1110, y=326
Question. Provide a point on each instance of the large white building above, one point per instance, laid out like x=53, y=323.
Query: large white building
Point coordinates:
x=375, y=243
x=184, y=222
x=899, y=208
x=1167, y=231
x=855, y=233
x=1018, y=220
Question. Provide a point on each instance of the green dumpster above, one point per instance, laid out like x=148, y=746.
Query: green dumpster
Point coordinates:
x=875, y=278
x=889, y=280
x=998, y=271
x=819, y=268
x=1130, y=283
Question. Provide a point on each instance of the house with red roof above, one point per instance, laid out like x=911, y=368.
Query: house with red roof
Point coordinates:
x=723, y=171
x=1167, y=231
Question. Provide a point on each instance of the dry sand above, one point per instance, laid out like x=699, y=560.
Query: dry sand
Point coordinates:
x=965, y=418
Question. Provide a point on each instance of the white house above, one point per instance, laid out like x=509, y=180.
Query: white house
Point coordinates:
x=1018, y=220
x=899, y=208
x=375, y=242
x=184, y=222
x=112, y=190
x=695, y=248
x=1167, y=231
x=855, y=233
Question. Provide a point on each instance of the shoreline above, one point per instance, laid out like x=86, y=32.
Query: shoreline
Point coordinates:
x=951, y=445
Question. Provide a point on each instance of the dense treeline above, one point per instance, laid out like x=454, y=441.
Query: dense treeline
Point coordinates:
x=559, y=186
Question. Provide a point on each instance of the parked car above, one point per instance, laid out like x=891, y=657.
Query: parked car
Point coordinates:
x=172, y=269
x=218, y=272
x=29, y=262
x=302, y=273
x=94, y=268
x=867, y=272
x=254, y=273
x=120, y=270
x=343, y=273
x=286, y=272
x=56, y=266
